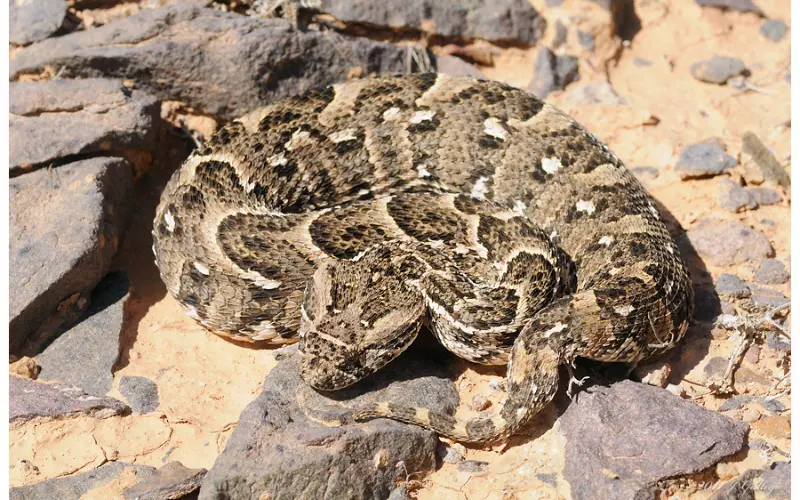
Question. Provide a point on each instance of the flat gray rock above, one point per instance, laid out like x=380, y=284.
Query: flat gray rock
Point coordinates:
x=718, y=69
x=737, y=5
x=246, y=62
x=623, y=438
x=731, y=196
x=771, y=272
x=54, y=119
x=65, y=225
x=551, y=72
x=766, y=298
x=74, y=487
x=774, y=29
x=492, y=20
x=278, y=452
x=84, y=355
x=703, y=160
x=169, y=482
x=729, y=284
x=141, y=393
x=28, y=400
x=725, y=243
x=34, y=20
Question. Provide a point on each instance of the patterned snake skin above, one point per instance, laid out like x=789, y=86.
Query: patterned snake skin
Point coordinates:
x=349, y=217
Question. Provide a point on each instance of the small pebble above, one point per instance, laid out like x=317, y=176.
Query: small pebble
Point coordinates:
x=480, y=402
x=703, y=160
x=771, y=272
x=656, y=374
x=472, y=466
x=774, y=29
x=752, y=354
x=737, y=5
x=141, y=393
x=676, y=390
x=729, y=284
x=586, y=40
x=451, y=456
x=547, y=478
x=778, y=342
x=638, y=61
x=718, y=69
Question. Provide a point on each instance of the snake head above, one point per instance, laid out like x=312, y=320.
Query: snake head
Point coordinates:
x=359, y=315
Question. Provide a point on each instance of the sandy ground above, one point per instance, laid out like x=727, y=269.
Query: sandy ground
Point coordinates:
x=205, y=381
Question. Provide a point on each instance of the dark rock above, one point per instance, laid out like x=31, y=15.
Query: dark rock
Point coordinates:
x=472, y=466
x=771, y=272
x=76, y=486
x=85, y=355
x=718, y=69
x=623, y=438
x=552, y=72
x=34, y=20
x=54, y=119
x=728, y=284
x=28, y=400
x=773, y=483
x=141, y=393
x=766, y=298
x=65, y=226
x=278, y=451
x=170, y=481
x=724, y=243
x=246, y=62
x=738, y=5
x=586, y=40
x=703, y=160
x=774, y=29
x=560, y=37
x=493, y=20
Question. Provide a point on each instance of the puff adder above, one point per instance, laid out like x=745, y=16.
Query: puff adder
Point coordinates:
x=349, y=217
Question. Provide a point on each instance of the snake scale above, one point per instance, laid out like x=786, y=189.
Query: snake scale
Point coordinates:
x=349, y=217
